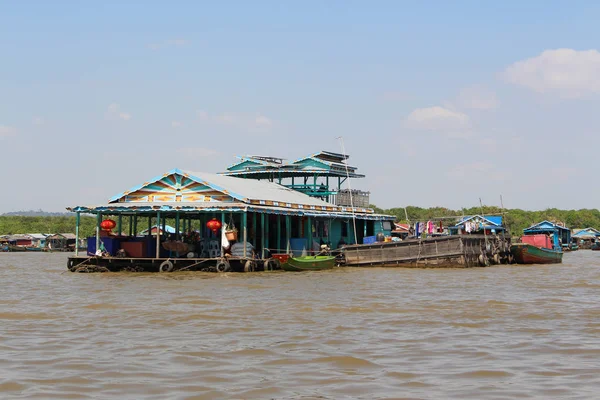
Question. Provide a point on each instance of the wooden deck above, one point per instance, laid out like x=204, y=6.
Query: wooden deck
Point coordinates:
x=128, y=264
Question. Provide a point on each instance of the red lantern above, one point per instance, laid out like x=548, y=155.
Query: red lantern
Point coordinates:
x=214, y=225
x=107, y=224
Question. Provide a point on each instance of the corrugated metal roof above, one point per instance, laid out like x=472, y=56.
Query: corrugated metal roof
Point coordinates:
x=249, y=189
x=37, y=236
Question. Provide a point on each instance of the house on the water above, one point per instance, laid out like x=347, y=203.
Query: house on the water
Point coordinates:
x=585, y=238
x=276, y=207
x=488, y=224
x=560, y=234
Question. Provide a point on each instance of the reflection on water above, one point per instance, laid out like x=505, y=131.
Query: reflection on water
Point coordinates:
x=487, y=333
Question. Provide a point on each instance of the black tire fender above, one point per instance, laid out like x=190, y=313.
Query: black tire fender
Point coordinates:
x=165, y=266
x=223, y=266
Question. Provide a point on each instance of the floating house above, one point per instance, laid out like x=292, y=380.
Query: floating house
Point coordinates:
x=274, y=206
x=401, y=231
x=585, y=238
x=480, y=224
x=61, y=242
x=168, y=230
x=560, y=234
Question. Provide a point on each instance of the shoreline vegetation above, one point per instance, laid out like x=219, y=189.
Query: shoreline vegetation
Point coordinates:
x=515, y=220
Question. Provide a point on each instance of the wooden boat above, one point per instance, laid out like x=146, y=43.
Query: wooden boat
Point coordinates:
x=595, y=246
x=309, y=263
x=541, y=244
x=437, y=251
x=12, y=247
x=33, y=248
x=525, y=253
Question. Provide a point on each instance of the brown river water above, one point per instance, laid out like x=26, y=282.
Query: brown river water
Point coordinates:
x=509, y=332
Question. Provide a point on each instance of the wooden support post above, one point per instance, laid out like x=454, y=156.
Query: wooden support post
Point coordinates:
x=278, y=233
x=134, y=232
x=288, y=232
x=254, y=230
x=120, y=224
x=245, y=230
x=130, y=225
x=308, y=235
x=222, y=228
x=150, y=226
x=157, y=234
x=177, y=234
x=262, y=235
x=77, y=219
x=98, y=219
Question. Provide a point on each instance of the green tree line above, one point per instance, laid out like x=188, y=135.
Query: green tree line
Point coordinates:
x=514, y=219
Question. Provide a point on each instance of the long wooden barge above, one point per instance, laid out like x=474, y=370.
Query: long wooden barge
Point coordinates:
x=454, y=251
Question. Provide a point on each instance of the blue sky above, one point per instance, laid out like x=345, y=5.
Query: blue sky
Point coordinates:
x=439, y=103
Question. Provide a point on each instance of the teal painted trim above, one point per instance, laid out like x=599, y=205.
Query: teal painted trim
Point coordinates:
x=222, y=228
x=262, y=235
x=254, y=221
x=98, y=219
x=308, y=236
x=77, y=220
x=158, y=229
x=288, y=232
x=278, y=233
x=245, y=230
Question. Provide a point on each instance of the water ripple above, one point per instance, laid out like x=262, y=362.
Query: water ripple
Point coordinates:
x=511, y=332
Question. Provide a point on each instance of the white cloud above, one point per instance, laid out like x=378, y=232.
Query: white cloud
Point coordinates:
x=6, y=131
x=202, y=115
x=114, y=112
x=566, y=72
x=176, y=124
x=440, y=119
x=262, y=121
x=37, y=121
x=197, y=152
x=476, y=98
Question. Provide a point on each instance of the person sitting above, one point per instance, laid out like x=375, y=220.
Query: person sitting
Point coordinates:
x=237, y=250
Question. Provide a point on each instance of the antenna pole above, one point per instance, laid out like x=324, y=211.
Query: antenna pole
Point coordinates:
x=341, y=139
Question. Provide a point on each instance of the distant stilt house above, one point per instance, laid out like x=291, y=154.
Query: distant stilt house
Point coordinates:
x=38, y=240
x=478, y=224
x=585, y=238
x=20, y=240
x=3, y=243
x=61, y=242
x=168, y=230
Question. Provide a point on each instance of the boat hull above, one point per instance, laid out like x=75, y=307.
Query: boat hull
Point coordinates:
x=524, y=253
x=309, y=263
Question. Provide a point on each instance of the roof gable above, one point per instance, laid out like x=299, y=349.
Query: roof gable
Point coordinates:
x=495, y=220
x=175, y=186
x=545, y=226
x=586, y=231
x=198, y=187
